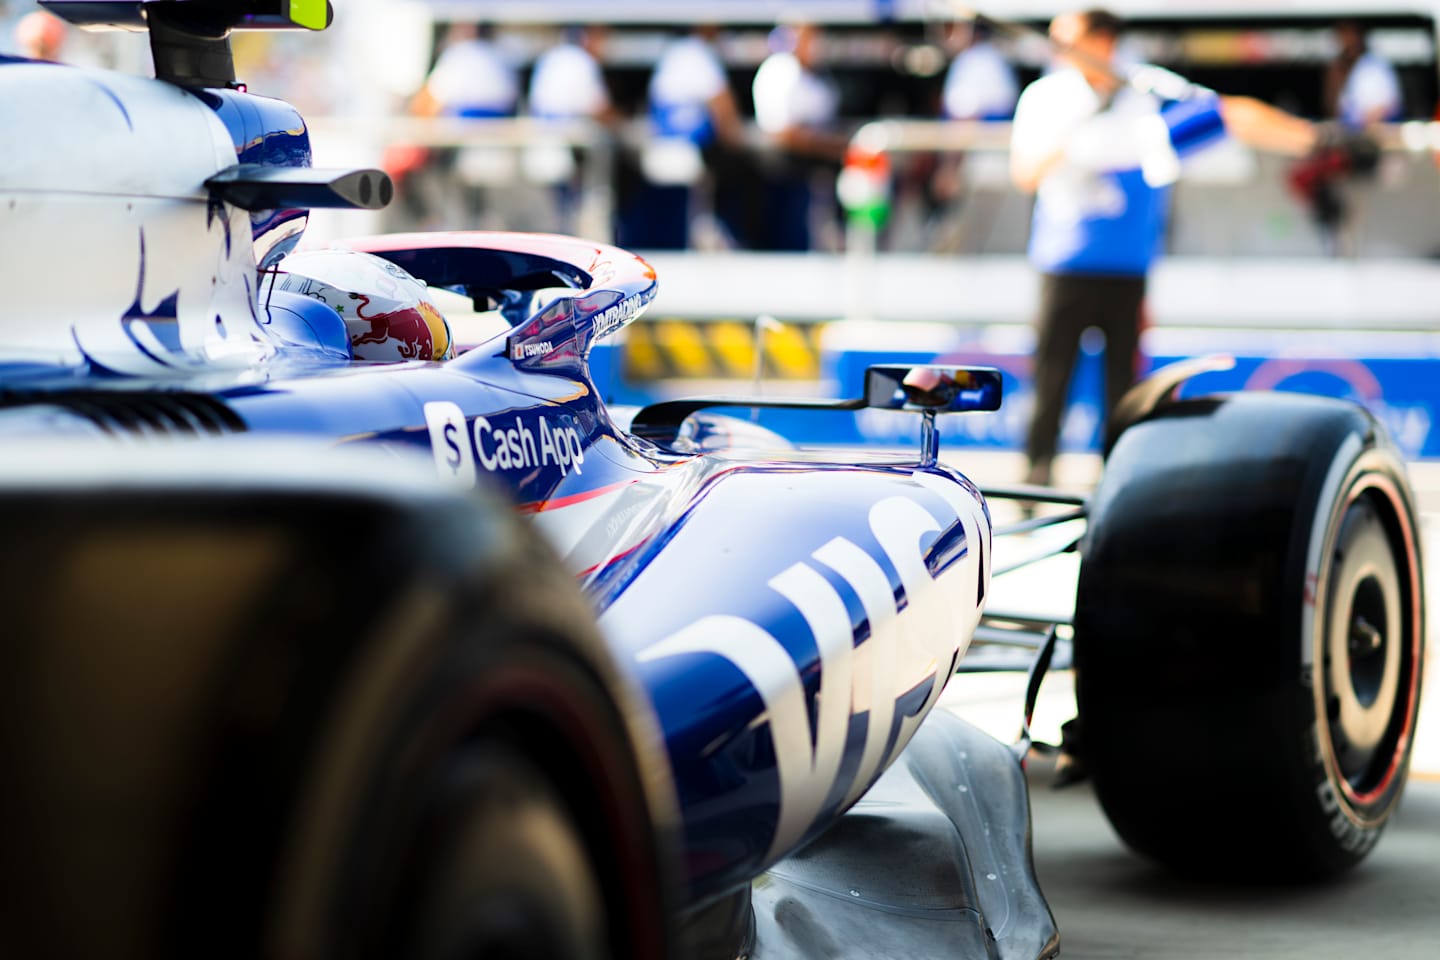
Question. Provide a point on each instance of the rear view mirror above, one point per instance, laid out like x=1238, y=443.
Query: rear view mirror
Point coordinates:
x=932, y=387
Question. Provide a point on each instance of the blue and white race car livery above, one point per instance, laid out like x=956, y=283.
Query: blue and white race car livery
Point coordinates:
x=421, y=645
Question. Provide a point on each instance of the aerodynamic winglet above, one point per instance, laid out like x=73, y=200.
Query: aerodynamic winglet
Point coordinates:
x=254, y=186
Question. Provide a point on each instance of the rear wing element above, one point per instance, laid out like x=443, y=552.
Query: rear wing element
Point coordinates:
x=926, y=389
x=611, y=287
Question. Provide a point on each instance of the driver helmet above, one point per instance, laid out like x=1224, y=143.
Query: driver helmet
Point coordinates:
x=389, y=314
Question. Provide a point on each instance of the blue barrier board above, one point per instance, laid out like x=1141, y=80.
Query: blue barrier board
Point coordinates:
x=1402, y=390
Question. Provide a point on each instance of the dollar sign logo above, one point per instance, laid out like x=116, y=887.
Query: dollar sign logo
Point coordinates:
x=445, y=422
x=453, y=457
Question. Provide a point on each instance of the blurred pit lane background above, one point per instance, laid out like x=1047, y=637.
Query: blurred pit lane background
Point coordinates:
x=933, y=265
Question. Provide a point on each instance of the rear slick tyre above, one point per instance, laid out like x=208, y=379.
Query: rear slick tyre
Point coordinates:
x=1249, y=636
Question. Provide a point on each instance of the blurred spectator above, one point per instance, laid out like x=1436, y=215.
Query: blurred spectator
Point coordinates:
x=472, y=78
x=689, y=93
x=1361, y=88
x=448, y=187
x=980, y=85
x=567, y=84
x=40, y=35
x=796, y=105
x=693, y=118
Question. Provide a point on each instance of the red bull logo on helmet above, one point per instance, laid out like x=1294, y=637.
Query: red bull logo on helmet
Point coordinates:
x=388, y=312
x=410, y=333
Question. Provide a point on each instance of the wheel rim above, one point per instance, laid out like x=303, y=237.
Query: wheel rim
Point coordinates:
x=1369, y=649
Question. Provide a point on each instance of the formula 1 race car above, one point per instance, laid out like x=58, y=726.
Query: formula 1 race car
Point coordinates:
x=340, y=628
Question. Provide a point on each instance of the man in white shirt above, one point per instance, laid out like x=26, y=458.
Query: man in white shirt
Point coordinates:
x=472, y=78
x=447, y=187
x=796, y=106
x=1099, y=151
x=964, y=192
x=690, y=94
x=980, y=83
x=693, y=118
x=567, y=83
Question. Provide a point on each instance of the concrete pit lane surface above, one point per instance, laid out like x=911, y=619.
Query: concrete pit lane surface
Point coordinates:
x=1110, y=903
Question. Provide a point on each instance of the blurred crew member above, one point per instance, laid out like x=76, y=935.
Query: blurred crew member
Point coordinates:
x=1361, y=88
x=692, y=116
x=567, y=84
x=472, y=78
x=980, y=83
x=1361, y=91
x=1099, y=156
x=796, y=105
x=690, y=95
